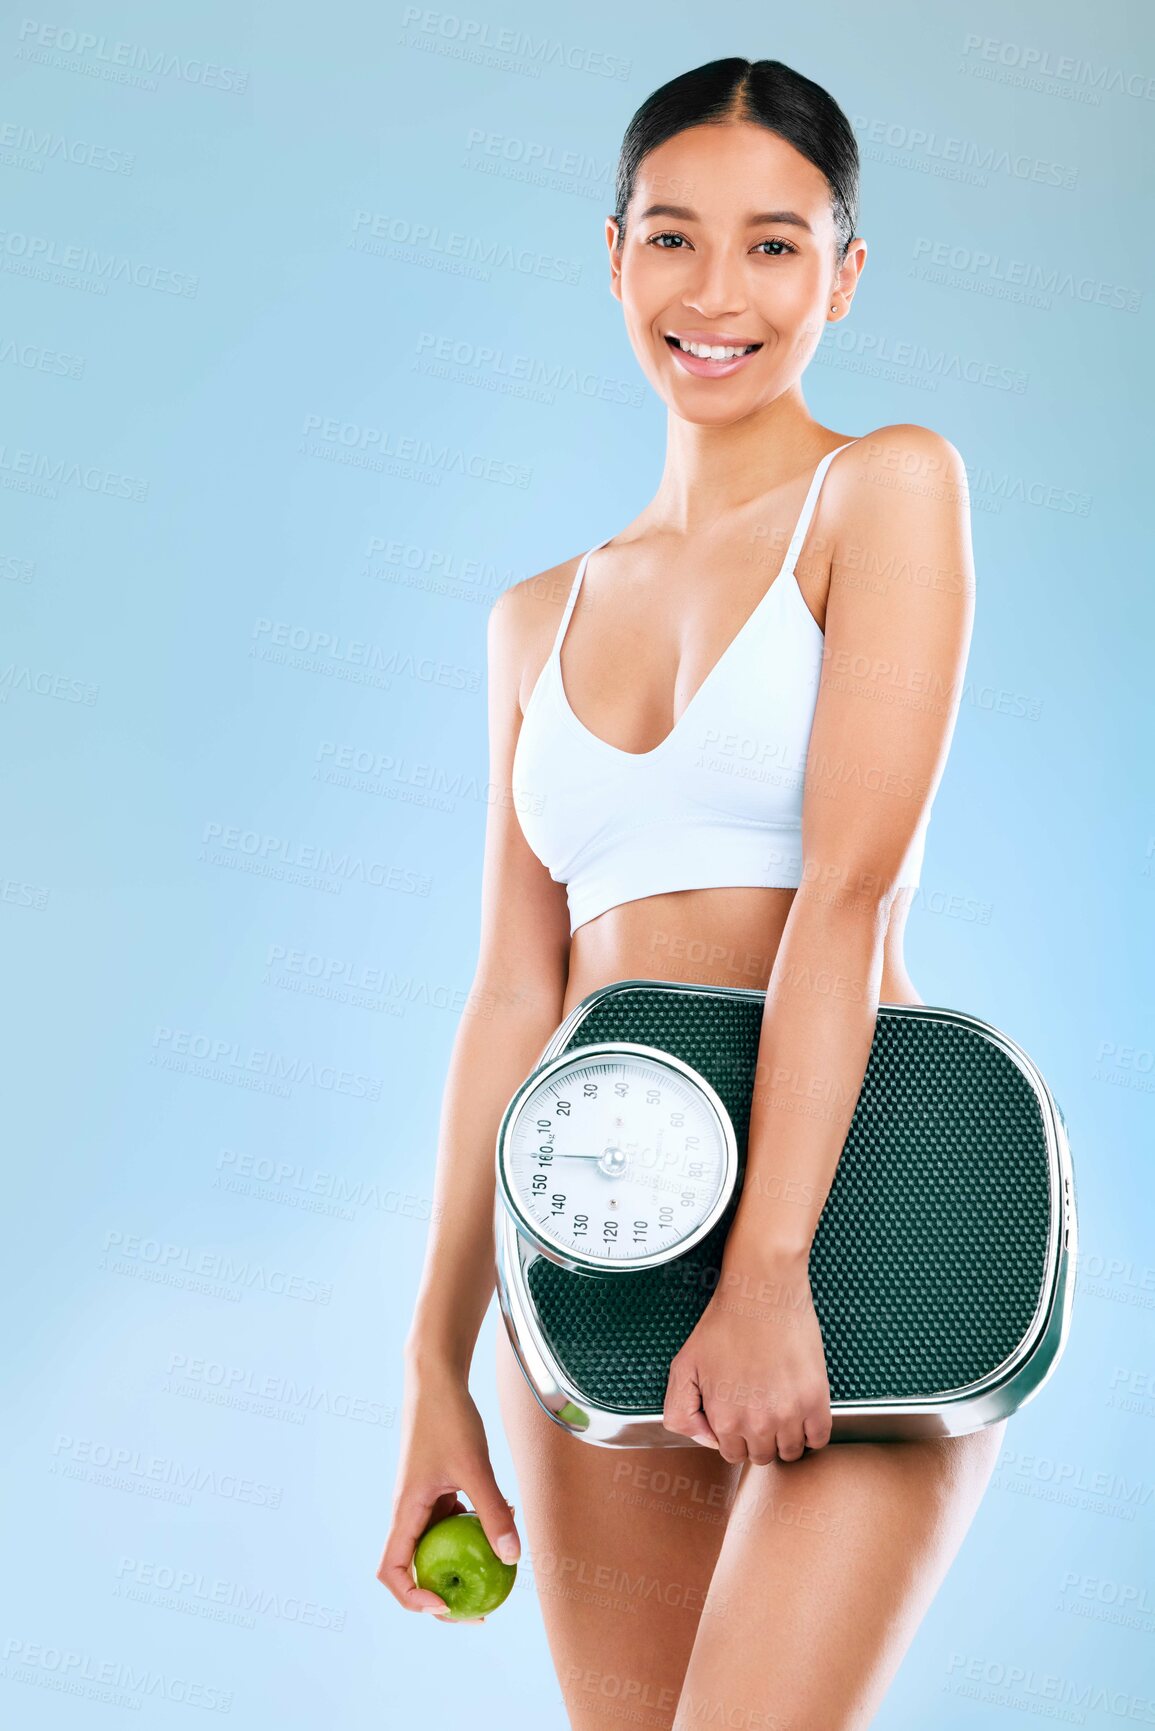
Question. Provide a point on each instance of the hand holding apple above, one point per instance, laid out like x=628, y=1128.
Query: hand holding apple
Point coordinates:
x=455, y=1560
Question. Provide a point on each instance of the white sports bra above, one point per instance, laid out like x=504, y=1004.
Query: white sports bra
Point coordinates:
x=718, y=801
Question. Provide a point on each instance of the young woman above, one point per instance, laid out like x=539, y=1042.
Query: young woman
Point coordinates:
x=715, y=741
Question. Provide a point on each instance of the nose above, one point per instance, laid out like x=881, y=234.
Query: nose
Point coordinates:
x=718, y=289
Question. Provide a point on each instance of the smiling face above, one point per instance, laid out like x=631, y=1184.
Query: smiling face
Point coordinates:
x=729, y=244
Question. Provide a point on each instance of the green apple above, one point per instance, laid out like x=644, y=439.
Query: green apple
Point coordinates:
x=455, y=1560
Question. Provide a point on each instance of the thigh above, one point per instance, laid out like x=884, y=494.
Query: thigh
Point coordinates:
x=829, y=1564
x=621, y=1546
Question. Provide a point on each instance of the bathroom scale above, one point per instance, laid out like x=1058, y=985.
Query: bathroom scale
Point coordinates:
x=942, y=1268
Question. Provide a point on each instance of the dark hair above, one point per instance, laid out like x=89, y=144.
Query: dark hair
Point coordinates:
x=766, y=93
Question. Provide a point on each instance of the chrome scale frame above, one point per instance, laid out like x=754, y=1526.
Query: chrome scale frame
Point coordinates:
x=955, y=1412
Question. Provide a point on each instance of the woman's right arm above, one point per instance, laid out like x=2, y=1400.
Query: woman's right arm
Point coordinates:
x=514, y=1006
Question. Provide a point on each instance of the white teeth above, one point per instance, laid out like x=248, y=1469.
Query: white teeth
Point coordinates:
x=713, y=352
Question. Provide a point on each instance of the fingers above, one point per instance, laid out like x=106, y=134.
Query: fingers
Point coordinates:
x=732, y=1447
x=806, y=1425
x=682, y=1412
x=496, y=1515
x=785, y=1436
x=761, y=1434
x=791, y=1440
x=414, y=1511
x=819, y=1426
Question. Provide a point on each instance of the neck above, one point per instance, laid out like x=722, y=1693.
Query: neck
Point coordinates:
x=713, y=471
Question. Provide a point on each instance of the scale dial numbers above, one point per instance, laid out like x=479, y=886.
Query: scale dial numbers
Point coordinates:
x=616, y=1157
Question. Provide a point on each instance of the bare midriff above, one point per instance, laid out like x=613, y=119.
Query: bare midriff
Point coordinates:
x=716, y=937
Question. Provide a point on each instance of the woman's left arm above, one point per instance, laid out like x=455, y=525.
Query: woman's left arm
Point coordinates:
x=751, y=1378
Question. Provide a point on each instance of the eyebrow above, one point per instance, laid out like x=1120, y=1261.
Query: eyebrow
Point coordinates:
x=685, y=214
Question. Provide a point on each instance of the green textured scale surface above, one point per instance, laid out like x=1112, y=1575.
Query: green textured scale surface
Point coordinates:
x=929, y=1258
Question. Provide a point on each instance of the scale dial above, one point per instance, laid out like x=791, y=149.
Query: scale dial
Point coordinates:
x=616, y=1156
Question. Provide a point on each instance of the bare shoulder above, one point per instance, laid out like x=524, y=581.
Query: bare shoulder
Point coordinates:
x=524, y=618
x=536, y=600
x=903, y=551
x=909, y=436
x=907, y=459
x=904, y=485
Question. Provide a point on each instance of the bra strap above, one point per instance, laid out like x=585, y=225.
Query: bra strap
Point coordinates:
x=573, y=592
x=792, y=551
x=807, y=512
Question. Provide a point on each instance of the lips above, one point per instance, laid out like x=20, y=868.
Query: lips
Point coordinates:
x=704, y=369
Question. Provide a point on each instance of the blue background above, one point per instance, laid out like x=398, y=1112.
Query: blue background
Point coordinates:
x=307, y=340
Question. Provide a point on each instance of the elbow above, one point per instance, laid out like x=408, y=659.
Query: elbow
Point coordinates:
x=521, y=988
x=856, y=889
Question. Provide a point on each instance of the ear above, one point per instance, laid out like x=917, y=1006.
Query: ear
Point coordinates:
x=615, y=257
x=848, y=273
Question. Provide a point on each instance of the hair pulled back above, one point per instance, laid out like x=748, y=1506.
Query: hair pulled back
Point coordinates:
x=766, y=93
